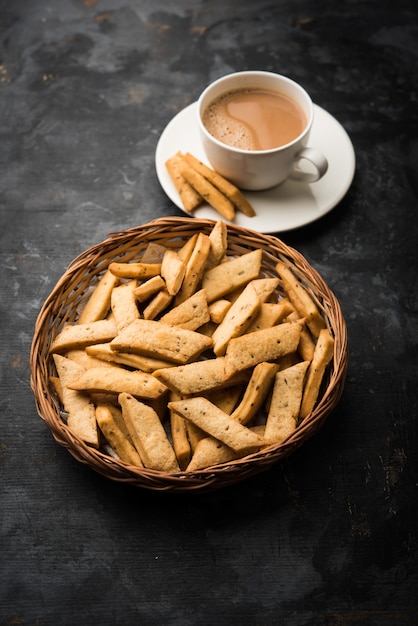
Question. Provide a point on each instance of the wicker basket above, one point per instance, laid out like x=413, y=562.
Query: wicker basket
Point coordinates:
x=61, y=307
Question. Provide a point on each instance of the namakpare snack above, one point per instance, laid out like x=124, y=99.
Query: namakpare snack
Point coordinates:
x=186, y=358
x=197, y=183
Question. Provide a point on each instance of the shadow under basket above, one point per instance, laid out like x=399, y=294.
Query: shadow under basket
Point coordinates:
x=61, y=307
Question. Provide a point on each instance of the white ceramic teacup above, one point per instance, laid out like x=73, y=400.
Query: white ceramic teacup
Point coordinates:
x=262, y=169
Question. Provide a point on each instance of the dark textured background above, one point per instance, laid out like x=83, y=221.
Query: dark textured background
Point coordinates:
x=330, y=535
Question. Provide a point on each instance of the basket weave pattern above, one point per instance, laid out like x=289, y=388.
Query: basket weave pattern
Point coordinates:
x=61, y=308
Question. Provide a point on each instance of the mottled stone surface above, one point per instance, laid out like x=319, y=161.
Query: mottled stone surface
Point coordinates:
x=330, y=535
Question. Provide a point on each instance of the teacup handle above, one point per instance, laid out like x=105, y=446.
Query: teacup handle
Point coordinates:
x=314, y=157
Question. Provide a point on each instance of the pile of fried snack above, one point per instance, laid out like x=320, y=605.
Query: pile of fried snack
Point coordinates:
x=197, y=183
x=186, y=358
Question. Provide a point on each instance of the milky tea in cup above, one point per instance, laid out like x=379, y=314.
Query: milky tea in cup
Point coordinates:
x=254, y=127
x=254, y=119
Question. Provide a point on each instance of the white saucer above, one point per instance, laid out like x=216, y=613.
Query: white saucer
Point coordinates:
x=285, y=207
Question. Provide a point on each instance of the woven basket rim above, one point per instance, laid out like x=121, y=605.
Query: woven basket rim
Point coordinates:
x=126, y=243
